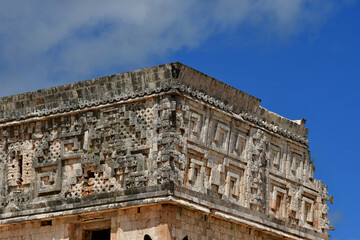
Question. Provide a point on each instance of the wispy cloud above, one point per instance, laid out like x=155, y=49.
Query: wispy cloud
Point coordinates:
x=336, y=217
x=57, y=40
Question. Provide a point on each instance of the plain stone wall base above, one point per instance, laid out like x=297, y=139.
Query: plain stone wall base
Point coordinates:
x=159, y=221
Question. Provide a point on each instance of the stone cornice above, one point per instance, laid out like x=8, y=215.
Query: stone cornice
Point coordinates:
x=275, y=129
x=109, y=89
x=85, y=104
x=166, y=88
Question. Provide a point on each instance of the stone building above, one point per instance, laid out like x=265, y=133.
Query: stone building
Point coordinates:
x=159, y=153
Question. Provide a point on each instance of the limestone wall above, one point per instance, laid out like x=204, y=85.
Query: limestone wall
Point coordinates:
x=231, y=159
x=35, y=231
x=160, y=222
x=157, y=135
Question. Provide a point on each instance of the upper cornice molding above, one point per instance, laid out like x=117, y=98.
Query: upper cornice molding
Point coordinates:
x=145, y=82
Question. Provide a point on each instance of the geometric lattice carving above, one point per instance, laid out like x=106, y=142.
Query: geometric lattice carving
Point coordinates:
x=197, y=174
x=198, y=122
x=275, y=157
x=234, y=181
x=220, y=133
x=307, y=211
x=49, y=179
x=296, y=165
x=257, y=158
x=15, y=161
x=238, y=143
x=278, y=201
x=171, y=137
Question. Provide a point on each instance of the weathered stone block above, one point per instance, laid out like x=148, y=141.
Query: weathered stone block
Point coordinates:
x=164, y=151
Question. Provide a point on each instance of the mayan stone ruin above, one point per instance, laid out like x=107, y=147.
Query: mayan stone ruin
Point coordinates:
x=162, y=153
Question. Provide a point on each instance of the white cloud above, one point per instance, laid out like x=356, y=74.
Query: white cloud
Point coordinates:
x=336, y=217
x=42, y=40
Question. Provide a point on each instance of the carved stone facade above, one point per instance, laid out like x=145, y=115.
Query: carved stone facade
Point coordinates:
x=162, y=146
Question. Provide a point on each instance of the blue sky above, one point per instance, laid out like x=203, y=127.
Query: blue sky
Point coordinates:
x=301, y=57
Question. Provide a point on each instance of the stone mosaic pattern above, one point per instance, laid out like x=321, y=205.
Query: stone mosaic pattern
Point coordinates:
x=85, y=153
x=227, y=157
x=170, y=134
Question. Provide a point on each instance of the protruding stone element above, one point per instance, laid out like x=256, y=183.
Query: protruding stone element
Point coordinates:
x=168, y=139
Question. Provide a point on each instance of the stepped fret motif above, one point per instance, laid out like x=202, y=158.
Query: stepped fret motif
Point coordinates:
x=159, y=136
